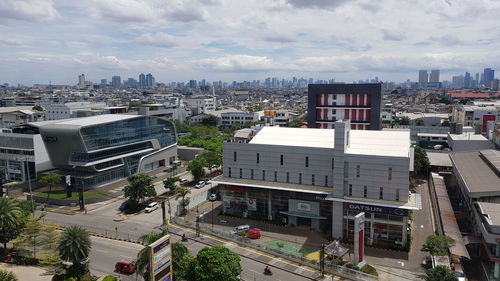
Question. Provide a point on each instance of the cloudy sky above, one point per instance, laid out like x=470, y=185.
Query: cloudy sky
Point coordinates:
x=55, y=40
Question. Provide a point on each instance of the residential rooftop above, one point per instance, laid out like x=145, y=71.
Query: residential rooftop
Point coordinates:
x=491, y=211
x=86, y=121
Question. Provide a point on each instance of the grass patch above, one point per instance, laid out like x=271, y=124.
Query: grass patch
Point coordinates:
x=61, y=194
x=288, y=248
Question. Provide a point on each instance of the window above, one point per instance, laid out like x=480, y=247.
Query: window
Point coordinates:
x=287, y=177
x=358, y=171
x=300, y=178
x=333, y=163
x=281, y=160
x=365, y=192
x=234, y=156
x=251, y=174
x=263, y=175
x=229, y=172
x=390, y=174
x=381, y=195
x=350, y=190
x=397, y=194
x=326, y=180
x=307, y=161
x=258, y=158
x=275, y=176
x=312, y=179
x=241, y=173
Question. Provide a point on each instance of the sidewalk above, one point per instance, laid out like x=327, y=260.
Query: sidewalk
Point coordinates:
x=26, y=273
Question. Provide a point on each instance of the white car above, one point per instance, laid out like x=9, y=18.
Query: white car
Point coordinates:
x=151, y=207
x=200, y=184
x=213, y=197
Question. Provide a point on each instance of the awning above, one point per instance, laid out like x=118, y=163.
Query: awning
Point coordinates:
x=302, y=215
x=335, y=249
x=448, y=219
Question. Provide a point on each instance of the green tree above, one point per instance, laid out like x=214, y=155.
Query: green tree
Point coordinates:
x=180, y=260
x=140, y=187
x=142, y=262
x=197, y=168
x=37, y=108
x=419, y=122
x=30, y=235
x=405, y=120
x=49, y=258
x=210, y=121
x=7, y=275
x=440, y=273
x=215, y=263
x=421, y=161
x=438, y=245
x=74, y=247
x=170, y=183
x=50, y=180
x=11, y=220
x=445, y=123
x=211, y=159
x=184, y=202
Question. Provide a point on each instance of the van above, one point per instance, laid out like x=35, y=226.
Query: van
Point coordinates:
x=239, y=229
x=151, y=207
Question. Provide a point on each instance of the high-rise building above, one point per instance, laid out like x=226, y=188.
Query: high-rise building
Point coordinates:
x=488, y=76
x=423, y=77
x=142, y=80
x=116, y=82
x=193, y=84
x=457, y=82
x=81, y=80
x=434, y=77
x=360, y=103
x=104, y=82
x=150, y=80
x=467, y=80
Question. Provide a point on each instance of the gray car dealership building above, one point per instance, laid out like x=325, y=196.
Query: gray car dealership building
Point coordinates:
x=105, y=148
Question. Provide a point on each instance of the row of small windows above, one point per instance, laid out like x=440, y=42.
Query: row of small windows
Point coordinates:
x=380, y=195
x=252, y=176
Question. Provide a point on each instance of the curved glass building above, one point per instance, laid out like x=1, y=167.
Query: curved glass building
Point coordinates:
x=105, y=148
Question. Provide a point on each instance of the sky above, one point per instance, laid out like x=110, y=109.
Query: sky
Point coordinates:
x=44, y=41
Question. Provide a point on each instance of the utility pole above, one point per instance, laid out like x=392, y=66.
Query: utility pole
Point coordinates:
x=322, y=260
x=212, y=215
x=198, y=232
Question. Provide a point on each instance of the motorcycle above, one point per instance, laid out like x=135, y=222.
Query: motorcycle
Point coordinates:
x=267, y=271
x=184, y=238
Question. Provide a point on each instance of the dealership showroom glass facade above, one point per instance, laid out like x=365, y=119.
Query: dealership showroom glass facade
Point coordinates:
x=299, y=177
x=101, y=149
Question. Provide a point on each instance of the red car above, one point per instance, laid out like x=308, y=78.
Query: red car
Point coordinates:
x=252, y=234
x=125, y=267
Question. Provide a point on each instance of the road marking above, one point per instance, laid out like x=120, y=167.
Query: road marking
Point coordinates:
x=252, y=251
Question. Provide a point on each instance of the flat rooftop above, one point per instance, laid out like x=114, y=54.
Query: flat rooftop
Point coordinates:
x=480, y=179
x=467, y=136
x=491, y=211
x=382, y=143
x=86, y=121
x=439, y=159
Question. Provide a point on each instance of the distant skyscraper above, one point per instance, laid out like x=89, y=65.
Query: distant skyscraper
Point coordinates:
x=116, y=82
x=142, y=80
x=467, y=80
x=150, y=80
x=104, y=82
x=488, y=76
x=81, y=80
x=423, y=77
x=193, y=84
x=434, y=77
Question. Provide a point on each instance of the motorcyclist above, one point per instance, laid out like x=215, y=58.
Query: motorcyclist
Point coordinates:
x=184, y=237
x=267, y=269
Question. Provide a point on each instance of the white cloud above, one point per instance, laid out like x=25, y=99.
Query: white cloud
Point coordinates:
x=28, y=10
x=159, y=39
x=391, y=35
x=239, y=63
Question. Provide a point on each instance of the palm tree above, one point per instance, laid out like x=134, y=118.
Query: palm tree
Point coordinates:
x=7, y=276
x=10, y=216
x=142, y=263
x=74, y=246
x=182, y=193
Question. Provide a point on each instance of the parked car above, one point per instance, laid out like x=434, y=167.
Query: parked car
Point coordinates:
x=213, y=197
x=239, y=229
x=124, y=205
x=200, y=184
x=252, y=234
x=184, y=181
x=151, y=207
x=125, y=267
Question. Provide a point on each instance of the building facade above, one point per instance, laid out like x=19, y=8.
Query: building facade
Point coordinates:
x=474, y=115
x=101, y=149
x=322, y=178
x=58, y=111
x=228, y=119
x=359, y=103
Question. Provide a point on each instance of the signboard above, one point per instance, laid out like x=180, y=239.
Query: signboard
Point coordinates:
x=377, y=209
x=68, y=180
x=304, y=207
x=249, y=204
x=359, y=239
x=160, y=256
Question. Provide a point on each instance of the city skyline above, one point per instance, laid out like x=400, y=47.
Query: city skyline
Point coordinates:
x=56, y=41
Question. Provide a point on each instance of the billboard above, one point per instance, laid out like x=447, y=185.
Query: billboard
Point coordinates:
x=359, y=239
x=160, y=257
x=249, y=204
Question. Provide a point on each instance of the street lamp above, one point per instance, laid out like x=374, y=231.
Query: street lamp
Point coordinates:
x=212, y=215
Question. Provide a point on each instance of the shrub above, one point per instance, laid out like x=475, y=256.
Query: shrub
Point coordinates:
x=25, y=260
x=7, y=276
x=110, y=278
x=280, y=244
x=369, y=269
x=352, y=266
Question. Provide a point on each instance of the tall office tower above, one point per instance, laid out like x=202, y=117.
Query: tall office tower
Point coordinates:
x=142, y=80
x=488, y=76
x=434, y=77
x=116, y=82
x=457, y=82
x=104, y=82
x=477, y=78
x=423, y=77
x=150, y=80
x=193, y=84
x=467, y=80
x=131, y=83
x=81, y=80
x=360, y=103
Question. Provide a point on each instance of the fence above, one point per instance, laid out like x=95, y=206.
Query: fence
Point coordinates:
x=329, y=268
